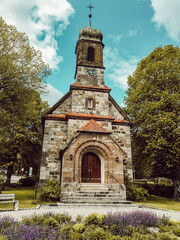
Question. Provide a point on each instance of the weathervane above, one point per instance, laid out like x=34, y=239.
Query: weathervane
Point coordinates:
x=90, y=15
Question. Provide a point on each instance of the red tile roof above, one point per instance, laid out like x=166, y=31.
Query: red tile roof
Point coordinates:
x=120, y=121
x=82, y=115
x=90, y=88
x=56, y=117
x=93, y=126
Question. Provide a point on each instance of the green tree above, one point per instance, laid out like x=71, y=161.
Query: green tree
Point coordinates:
x=22, y=77
x=153, y=104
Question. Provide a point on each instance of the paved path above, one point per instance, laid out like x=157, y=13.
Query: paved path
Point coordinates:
x=88, y=209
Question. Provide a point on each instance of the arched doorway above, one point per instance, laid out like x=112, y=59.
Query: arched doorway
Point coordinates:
x=91, y=168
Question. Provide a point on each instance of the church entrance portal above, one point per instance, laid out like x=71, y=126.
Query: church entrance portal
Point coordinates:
x=91, y=168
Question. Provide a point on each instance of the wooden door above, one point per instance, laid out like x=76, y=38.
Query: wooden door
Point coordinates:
x=91, y=168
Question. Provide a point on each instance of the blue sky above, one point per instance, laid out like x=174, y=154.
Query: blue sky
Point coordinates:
x=131, y=30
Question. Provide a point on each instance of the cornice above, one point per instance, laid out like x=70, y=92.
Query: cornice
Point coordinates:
x=75, y=86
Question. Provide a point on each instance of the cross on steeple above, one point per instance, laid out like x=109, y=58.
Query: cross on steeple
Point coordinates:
x=90, y=15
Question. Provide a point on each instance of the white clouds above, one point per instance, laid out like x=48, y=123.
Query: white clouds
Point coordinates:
x=52, y=96
x=118, y=69
x=132, y=32
x=166, y=14
x=37, y=18
x=115, y=38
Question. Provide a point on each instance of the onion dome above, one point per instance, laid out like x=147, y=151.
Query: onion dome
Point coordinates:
x=89, y=33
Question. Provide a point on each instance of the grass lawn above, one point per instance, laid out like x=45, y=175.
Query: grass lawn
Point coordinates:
x=160, y=202
x=25, y=195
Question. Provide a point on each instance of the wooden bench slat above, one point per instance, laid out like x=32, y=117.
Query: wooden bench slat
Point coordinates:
x=7, y=198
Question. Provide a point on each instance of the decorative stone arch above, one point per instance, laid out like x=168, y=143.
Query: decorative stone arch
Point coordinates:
x=97, y=147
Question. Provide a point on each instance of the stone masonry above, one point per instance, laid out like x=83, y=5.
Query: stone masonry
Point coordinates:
x=87, y=121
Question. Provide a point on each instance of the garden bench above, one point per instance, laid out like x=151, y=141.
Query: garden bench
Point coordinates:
x=7, y=198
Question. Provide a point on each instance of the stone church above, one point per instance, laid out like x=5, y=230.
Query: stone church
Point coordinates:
x=86, y=143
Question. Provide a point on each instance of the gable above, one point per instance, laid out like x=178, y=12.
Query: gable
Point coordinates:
x=62, y=106
x=93, y=127
x=116, y=111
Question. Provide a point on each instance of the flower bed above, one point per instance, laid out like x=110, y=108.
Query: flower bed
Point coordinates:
x=113, y=226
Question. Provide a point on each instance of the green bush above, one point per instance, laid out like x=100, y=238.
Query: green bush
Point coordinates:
x=139, y=236
x=79, y=228
x=94, y=232
x=51, y=191
x=135, y=192
x=2, y=181
x=79, y=218
x=28, y=181
x=176, y=231
x=48, y=220
x=158, y=189
x=67, y=231
x=94, y=218
x=171, y=227
x=166, y=236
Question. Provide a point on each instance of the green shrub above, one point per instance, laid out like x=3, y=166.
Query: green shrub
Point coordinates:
x=130, y=230
x=165, y=228
x=2, y=181
x=176, y=231
x=139, y=236
x=95, y=218
x=134, y=192
x=66, y=231
x=51, y=191
x=48, y=220
x=79, y=218
x=28, y=181
x=158, y=189
x=94, y=232
x=166, y=236
x=79, y=228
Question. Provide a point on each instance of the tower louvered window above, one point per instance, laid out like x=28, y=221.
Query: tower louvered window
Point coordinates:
x=90, y=54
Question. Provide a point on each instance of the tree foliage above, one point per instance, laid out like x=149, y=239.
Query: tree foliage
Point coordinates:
x=153, y=104
x=22, y=76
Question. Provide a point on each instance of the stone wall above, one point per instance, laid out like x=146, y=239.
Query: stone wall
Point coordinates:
x=100, y=102
x=82, y=53
x=83, y=78
x=122, y=136
x=55, y=138
x=64, y=107
x=114, y=112
x=75, y=124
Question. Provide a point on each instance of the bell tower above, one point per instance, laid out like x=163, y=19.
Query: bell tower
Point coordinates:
x=89, y=57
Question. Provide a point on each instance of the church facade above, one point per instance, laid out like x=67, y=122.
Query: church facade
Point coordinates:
x=86, y=141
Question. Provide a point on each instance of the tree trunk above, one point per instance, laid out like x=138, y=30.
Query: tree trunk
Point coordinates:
x=176, y=186
x=176, y=183
x=9, y=174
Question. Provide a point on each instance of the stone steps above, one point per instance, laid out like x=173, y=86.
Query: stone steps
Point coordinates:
x=93, y=193
x=102, y=200
x=94, y=187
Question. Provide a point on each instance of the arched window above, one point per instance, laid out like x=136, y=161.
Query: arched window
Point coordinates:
x=90, y=54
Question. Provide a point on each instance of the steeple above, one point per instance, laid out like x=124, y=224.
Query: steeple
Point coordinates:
x=90, y=15
x=89, y=56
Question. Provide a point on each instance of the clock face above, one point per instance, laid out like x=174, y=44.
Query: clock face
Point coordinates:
x=91, y=72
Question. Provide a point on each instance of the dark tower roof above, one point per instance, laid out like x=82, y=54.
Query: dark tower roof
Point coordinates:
x=89, y=33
